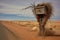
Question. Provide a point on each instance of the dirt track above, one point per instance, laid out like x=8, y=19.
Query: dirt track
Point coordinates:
x=17, y=32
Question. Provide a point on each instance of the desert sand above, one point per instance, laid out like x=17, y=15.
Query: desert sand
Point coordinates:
x=23, y=30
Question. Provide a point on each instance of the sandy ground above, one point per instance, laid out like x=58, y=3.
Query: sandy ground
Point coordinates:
x=13, y=31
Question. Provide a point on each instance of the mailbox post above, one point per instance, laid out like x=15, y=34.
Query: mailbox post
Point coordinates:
x=40, y=12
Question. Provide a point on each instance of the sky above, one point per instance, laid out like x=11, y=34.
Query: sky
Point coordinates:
x=11, y=9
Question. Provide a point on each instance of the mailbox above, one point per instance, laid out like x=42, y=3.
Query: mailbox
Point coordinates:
x=40, y=10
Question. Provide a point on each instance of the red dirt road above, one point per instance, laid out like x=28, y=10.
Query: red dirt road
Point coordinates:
x=18, y=32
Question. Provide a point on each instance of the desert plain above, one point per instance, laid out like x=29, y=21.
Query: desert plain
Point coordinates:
x=24, y=30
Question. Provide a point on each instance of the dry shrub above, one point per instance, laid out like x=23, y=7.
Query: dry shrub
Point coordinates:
x=49, y=32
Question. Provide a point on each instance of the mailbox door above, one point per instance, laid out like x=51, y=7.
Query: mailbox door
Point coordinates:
x=40, y=11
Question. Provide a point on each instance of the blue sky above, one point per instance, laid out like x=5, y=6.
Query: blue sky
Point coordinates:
x=10, y=9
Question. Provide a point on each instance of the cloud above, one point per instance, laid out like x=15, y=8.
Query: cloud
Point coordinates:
x=15, y=6
x=13, y=9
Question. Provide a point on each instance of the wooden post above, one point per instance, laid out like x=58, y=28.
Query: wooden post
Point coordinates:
x=41, y=27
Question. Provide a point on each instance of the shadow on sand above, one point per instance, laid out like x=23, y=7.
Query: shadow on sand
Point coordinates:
x=4, y=34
